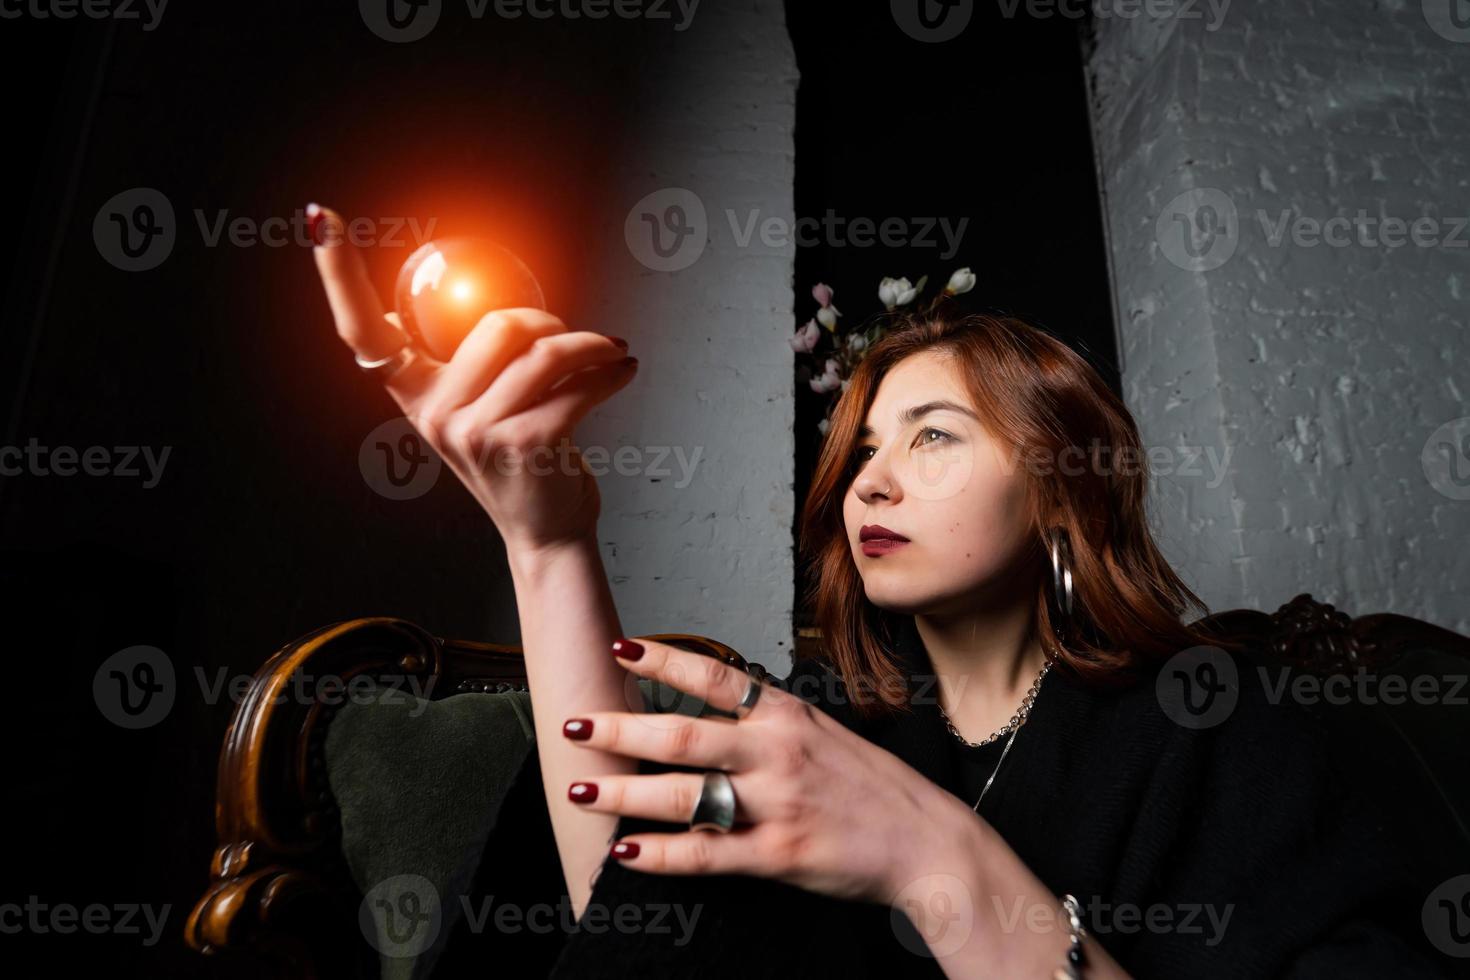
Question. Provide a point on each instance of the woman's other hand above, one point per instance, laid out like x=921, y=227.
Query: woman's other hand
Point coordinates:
x=502, y=410
x=817, y=805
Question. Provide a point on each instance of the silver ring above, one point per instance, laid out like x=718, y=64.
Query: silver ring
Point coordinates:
x=751, y=696
x=715, y=808
x=386, y=367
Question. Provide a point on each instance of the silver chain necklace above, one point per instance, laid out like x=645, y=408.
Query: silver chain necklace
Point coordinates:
x=1013, y=727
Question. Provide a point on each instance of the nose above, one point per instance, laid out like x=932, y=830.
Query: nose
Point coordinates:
x=875, y=481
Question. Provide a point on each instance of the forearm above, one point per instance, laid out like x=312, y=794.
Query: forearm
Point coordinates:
x=983, y=913
x=568, y=623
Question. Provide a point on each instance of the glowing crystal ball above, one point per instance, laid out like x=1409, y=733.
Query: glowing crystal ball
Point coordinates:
x=446, y=286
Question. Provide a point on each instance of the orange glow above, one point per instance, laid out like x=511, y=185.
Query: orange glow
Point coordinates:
x=462, y=290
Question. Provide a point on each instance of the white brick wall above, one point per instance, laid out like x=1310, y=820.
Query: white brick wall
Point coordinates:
x=1324, y=369
x=715, y=376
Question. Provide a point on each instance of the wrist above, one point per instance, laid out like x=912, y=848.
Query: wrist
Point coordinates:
x=531, y=560
x=947, y=875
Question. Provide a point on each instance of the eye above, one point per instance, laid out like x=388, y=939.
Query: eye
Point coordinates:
x=858, y=457
x=943, y=436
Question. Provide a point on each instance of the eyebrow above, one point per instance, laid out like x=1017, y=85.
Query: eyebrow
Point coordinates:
x=915, y=412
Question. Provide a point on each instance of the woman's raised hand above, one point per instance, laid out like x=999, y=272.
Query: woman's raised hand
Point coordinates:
x=501, y=411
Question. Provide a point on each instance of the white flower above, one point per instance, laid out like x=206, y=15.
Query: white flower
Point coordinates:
x=896, y=292
x=822, y=293
x=824, y=425
x=827, y=317
x=806, y=338
x=962, y=281
x=845, y=383
x=824, y=383
x=829, y=380
x=857, y=341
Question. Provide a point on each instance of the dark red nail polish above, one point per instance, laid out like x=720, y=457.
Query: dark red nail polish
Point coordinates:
x=582, y=792
x=314, y=217
x=627, y=649
x=617, y=340
x=577, y=728
x=623, y=850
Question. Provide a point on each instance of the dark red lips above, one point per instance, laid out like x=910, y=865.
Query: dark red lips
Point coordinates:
x=877, y=532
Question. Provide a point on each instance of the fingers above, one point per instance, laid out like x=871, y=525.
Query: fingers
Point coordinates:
x=760, y=849
x=716, y=683
x=354, y=301
x=680, y=740
x=359, y=316
x=498, y=338
x=668, y=797
x=577, y=394
x=531, y=376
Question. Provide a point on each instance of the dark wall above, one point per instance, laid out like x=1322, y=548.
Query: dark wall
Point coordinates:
x=990, y=126
x=262, y=526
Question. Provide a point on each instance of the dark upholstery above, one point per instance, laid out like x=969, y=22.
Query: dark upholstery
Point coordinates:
x=419, y=785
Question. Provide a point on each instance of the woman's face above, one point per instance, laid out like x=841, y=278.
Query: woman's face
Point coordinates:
x=926, y=469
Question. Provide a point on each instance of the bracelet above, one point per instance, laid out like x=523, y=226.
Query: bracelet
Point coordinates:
x=1075, y=934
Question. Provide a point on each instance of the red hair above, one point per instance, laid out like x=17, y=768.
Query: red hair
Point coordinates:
x=1040, y=399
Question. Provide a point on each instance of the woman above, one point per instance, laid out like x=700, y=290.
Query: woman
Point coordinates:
x=1007, y=741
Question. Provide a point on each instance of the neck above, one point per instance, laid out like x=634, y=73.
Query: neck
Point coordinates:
x=986, y=660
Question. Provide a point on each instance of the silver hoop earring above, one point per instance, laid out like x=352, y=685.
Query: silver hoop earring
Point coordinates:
x=1060, y=599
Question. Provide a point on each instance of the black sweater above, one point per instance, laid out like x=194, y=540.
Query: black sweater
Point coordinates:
x=1248, y=847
